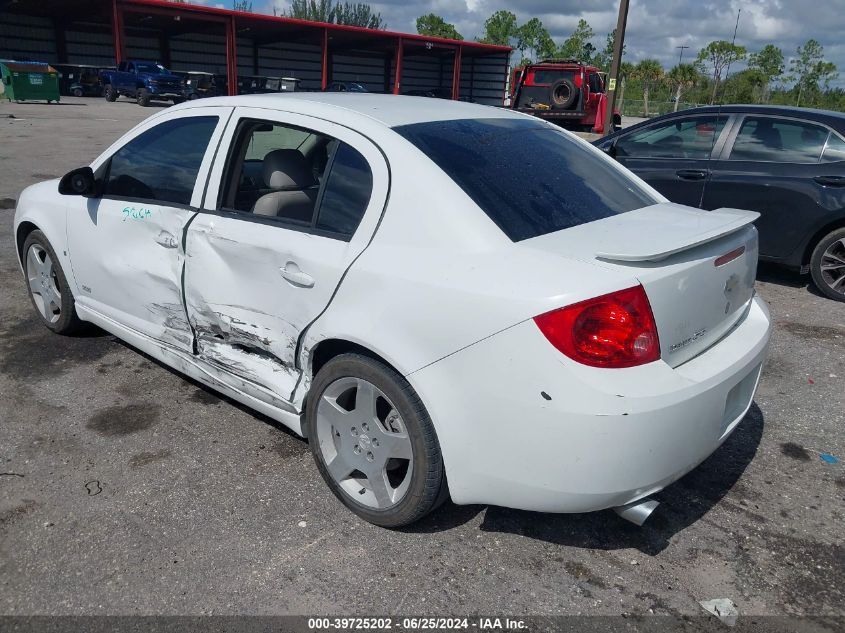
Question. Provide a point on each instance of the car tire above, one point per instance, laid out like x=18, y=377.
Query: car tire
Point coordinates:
x=110, y=94
x=77, y=92
x=143, y=97
x=827, y=265
x=563, y=94
x=399, y=425
x=44, y=276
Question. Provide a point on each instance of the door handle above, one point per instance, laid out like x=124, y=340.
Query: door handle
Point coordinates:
x=830, y=181
x=295, y=276
x=168, y=240
x=692, y=174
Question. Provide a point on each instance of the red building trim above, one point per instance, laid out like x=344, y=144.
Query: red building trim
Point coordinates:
x=397, y=78
x=456, y=73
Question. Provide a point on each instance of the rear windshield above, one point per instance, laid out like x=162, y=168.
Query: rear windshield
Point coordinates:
x=529, y=178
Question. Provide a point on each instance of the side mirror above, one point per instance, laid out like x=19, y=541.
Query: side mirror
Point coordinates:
x=610, y=149
x=79, y=182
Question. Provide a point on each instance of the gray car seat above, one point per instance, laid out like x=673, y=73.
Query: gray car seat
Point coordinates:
x=287, y=171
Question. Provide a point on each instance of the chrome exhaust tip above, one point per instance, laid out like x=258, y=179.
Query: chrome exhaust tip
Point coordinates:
x=638, y=511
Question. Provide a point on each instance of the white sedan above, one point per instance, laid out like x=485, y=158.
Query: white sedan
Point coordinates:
x=447, y=299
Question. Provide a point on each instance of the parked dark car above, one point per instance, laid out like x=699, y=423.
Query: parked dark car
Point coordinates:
x=197, y=85
x=345, y=86
x=786, y=163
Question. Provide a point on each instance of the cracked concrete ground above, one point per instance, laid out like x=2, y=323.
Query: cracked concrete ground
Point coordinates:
x=127, y=489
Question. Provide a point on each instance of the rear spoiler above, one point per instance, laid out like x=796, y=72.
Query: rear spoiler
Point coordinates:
x=675, y=228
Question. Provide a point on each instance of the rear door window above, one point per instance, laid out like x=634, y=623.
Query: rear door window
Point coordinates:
x=347, y=192
x=763, y=138
x=528, y=177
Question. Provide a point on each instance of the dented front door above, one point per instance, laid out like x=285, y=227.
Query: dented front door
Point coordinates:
x=126, y=247
x=253, y=284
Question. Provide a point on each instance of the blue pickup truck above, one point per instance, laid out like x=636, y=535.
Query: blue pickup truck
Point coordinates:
x=142, y=81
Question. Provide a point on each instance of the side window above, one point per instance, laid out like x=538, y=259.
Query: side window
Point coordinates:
x=596, y=83
x=835, y=150
x=781, y=140
x=692, y=137
x=275, y=170
x=162, y=163
x=347, y=192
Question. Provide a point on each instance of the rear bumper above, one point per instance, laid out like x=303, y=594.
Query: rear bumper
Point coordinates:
x=598, y=438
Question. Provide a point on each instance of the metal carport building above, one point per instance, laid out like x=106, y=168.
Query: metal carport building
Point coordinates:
x=191, y=37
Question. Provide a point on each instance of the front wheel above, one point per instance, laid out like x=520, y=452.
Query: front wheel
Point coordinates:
x=373, y=441
x=110, y=93
x=48, y=287
x=77, y=92
x=827, y=265
x=143, y=97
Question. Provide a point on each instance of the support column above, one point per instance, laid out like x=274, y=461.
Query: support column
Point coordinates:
x=255, y=65
x=232, y=57
x=61, y=42
x=456, y=73
x=397, y=78
x=324, y=67
x=164, y=49
x=117, y=32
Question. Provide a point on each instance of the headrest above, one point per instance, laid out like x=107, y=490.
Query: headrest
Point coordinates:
x=287, y=169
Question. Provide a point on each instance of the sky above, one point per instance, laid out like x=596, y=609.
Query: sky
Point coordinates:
x=655, y=27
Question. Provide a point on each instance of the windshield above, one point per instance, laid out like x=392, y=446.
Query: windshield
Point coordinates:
x=528, y=177
x=155, y=69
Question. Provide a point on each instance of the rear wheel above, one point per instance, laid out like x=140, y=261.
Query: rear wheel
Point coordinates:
x=827, y=265
x=143, y=97
x=77, y=92
x=373, y=441
x=110, y=93
x=48, y=287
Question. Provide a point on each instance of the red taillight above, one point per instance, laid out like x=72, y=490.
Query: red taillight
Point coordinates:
x=614, y=331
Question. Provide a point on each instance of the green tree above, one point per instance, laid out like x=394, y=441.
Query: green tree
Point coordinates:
x=719, y=55
x=769, y=63
x=649, y=72
x=436, y=26
x=604, y=58
x=680, y=78
x=745, y=86
x=626, y=70
x=811, y=72
x=500, y=28
x=577, y=45
x=242, y=5
x=354, y=14
x=534, y=37
x=357, y=14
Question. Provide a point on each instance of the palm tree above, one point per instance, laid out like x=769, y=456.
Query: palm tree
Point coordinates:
x=682, y=76
x=649, y=72
x=626, y=70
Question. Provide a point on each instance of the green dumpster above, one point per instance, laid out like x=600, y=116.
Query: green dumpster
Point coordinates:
x=29, y=81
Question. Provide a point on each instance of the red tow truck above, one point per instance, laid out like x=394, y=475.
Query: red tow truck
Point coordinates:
x=564, y=91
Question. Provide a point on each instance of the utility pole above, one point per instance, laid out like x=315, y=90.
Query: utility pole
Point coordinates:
x=615, y=66
x=681, y=56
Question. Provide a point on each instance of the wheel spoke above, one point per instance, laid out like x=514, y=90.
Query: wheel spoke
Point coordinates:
x=396, y=445
x=33, y=262
x=833, y=266
x=365, y=401
x=332, y=412
x=381, y=488
x=839, y=283
x=339, y=468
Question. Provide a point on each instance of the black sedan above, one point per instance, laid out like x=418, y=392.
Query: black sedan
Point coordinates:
x=786, y=163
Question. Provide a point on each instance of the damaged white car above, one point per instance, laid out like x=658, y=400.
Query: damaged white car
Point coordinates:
x=447, y=299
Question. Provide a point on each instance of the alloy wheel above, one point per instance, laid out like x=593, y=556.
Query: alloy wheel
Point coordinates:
x=364, y=443
x=43, y=283
x=833, y=266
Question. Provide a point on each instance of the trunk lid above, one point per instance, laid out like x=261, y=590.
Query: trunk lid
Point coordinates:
x=673, y=251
